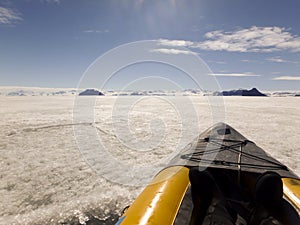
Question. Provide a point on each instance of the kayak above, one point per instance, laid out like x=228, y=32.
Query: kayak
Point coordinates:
x=236, y=165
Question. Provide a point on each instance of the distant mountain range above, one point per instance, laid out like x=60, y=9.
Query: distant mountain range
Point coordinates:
x=37, y=91
x=90, y=92
x=240, y=92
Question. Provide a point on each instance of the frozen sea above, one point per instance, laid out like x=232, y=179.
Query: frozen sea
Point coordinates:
x=46, y=179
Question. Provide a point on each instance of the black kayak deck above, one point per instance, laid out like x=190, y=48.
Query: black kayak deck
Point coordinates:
x=221, y=146
x=240, y=198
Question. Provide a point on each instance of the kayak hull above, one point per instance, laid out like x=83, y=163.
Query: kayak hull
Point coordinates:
x=166, y=200
x=160, y=200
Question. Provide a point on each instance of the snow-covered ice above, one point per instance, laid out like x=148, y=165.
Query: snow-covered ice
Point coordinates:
x=46, y=180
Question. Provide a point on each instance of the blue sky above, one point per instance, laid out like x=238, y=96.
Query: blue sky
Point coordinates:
x=51, y=43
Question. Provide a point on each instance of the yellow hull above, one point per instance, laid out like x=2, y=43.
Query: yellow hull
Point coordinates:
x=161, y=199
x=291, y=188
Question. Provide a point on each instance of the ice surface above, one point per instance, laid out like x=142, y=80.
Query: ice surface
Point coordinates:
x=46, y=180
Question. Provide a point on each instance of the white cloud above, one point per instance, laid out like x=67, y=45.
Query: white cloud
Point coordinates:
x=217, y=62
x=96, y=31
x=51, y=1
x=254, y=39
x=175, y=43
x=249, y=61
x=278, y=59
x=291, y=78
x=173, y=51
x=235, y=74
x=9, y=16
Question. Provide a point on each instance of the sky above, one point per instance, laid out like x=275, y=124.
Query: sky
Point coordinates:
x=52, y=43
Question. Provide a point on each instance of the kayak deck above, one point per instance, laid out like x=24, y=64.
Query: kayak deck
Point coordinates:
x=240, y=199
x=223, y=147
x=167, y=199
x=235, y=162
